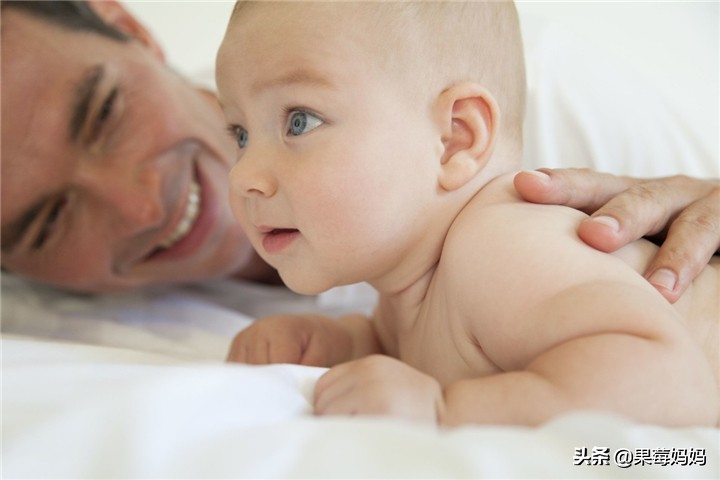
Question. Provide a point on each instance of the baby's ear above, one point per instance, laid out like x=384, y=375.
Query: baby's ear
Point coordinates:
x=468, y=116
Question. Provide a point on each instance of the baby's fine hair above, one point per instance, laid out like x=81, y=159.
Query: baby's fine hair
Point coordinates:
x=457, y=41
x=434, y=45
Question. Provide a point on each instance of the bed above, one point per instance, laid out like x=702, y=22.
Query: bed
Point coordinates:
x=134, y=385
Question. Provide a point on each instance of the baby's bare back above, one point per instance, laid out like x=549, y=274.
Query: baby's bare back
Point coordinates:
x=515, y=286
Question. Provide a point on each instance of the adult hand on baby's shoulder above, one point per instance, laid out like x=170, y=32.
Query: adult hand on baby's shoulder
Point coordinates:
x=681, y=211
x=311, y=340
x=379, y=385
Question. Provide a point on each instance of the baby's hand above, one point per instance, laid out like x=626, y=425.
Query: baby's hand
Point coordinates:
x=379, y=385
x=301, y=339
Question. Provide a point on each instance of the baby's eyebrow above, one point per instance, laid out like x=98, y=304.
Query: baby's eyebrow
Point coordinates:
x=292, y=77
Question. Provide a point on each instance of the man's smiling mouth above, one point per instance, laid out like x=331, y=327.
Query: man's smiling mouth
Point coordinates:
x=184, y=226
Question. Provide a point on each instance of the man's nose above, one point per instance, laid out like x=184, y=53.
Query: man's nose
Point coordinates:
x=132, y=196
x=253, y=175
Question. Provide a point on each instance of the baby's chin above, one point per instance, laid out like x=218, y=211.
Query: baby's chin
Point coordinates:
x=303, y=285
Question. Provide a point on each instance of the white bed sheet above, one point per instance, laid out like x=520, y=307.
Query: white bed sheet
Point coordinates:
x=133, y=385
x=78, y=411
x=194, y=322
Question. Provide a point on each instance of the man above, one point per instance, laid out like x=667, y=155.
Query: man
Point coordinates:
x=114, y=168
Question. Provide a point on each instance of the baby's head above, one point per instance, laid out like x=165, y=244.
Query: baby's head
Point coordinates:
x=364, y=124
x=432, y=45
x=427, y=45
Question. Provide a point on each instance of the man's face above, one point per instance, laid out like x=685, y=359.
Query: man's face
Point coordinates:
x=114, y=169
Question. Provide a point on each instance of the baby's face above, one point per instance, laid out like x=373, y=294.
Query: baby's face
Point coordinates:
x=335, y=168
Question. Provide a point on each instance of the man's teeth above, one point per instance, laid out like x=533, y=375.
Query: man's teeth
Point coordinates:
x=186, y=223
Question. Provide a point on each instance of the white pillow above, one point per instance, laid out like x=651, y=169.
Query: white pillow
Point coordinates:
x=623, y=87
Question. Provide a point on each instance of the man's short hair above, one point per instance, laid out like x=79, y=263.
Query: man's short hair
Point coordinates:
x=72, y=15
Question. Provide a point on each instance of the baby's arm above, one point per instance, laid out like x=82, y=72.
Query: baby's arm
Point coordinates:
x=651, y=375
x=306, y=339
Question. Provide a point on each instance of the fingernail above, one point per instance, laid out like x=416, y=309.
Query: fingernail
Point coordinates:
x=537, y=173
x=663, y=278
x=608, y=221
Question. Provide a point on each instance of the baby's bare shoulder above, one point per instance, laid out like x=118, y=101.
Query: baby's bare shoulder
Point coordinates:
x=504, y=260
x=498, y=226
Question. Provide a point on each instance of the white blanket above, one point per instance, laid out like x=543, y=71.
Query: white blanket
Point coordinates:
x=133, y=386
x=78, y=411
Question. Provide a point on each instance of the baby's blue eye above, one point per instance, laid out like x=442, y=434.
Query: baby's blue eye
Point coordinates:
x=239, y=134
x=241, y=137
x=300, y=122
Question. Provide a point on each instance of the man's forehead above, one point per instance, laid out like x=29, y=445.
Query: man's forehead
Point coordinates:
x=31, y=162
x=36, y=59
x=31, y=44
x=37, y=89
x=36, y=96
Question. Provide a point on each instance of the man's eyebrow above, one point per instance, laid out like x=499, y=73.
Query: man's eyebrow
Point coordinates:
x=15, y=230
x=84, y=93
x=293, y=77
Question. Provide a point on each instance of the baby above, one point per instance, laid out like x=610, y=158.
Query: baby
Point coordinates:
x=378, y=142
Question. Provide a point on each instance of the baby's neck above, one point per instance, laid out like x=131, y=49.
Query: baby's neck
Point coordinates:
x=408, y=282
x=507, y=157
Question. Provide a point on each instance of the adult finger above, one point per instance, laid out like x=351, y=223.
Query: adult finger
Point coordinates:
x=579, y=188
x=693, y=238
x=645, y=208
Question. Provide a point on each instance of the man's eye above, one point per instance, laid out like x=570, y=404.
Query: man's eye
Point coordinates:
x=107, y=106
x=300, y=122
x=103, y=114
x=48, y=224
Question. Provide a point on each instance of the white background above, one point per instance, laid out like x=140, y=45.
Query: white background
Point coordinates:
x=671, y=46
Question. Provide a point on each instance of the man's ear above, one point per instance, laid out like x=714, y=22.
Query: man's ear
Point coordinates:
x=468, y=116
x=115, y=15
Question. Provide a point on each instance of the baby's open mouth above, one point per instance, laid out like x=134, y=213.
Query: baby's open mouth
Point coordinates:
x=275, y=240
x=278, y=231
